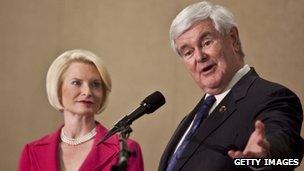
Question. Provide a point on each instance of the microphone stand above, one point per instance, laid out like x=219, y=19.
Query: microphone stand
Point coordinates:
x=124, y=152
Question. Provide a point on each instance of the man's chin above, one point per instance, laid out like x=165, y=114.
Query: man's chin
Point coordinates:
x=211, y=89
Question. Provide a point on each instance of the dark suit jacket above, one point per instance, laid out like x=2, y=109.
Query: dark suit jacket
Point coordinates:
x=43, y=154
x=230, y=125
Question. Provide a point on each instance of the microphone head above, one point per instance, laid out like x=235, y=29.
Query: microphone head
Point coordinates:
x=153, y=102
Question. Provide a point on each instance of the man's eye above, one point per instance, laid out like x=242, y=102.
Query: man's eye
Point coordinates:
x=207, y=43
x=187, y=53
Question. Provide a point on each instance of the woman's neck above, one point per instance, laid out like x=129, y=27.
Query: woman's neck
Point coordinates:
x=77, y=125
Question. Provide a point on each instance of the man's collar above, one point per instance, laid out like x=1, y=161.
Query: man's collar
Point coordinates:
x=237, y=76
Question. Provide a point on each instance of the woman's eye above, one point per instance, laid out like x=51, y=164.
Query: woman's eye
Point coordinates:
x=76, y=82
x=96, y=84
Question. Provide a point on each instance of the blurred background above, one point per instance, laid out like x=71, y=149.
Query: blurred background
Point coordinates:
x=131, y=36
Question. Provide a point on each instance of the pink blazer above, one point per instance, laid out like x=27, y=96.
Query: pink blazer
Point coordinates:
x=43, y=154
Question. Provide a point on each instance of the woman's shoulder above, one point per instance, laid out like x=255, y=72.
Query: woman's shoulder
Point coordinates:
x=132, y=143
x=51, y=137
x=115, y=138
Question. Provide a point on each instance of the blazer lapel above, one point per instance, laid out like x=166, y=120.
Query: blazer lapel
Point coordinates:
x=218, y=116
x=101, y=153
x=46, y=152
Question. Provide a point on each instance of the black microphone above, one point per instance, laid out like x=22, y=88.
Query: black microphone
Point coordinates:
x=147, y=106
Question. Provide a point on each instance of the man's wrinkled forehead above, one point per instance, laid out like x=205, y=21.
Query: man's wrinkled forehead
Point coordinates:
x=193, y=24
x=197, y=31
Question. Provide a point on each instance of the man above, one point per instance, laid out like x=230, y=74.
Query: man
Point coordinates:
x=241, y=114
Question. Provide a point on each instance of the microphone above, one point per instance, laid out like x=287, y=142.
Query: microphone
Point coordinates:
x=147, y=106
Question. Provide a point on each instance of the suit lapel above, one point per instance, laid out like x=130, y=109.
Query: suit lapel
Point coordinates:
x=179, y=132
x=220, y=114
x=206, y=128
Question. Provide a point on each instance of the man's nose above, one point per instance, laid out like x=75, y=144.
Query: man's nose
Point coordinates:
x=200, y=56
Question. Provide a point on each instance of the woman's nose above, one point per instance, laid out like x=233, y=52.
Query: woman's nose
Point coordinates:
x=86, y=90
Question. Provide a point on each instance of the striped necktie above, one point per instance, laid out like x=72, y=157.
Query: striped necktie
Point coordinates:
x=201, y=114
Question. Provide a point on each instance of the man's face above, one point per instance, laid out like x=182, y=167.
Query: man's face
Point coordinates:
x=211, y=58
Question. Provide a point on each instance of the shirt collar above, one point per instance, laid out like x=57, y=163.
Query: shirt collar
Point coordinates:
x=237, y=76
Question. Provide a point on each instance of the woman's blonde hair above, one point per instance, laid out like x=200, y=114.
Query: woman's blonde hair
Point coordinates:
x=59, y=66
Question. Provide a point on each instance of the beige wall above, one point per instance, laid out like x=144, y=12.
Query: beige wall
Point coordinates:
x=132, y=38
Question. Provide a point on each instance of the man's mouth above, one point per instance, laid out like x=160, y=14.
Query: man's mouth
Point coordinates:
x=208, y=69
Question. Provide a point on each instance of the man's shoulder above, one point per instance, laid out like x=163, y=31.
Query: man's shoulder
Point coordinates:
x=257, y=89
x=257, y=83
x=269, y=86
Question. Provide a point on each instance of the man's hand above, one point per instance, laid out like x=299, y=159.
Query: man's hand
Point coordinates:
x=257, y=145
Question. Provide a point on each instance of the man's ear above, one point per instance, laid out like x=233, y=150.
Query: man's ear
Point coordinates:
x=234, y=36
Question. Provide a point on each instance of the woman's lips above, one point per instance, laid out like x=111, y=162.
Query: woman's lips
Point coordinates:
x=86, y=102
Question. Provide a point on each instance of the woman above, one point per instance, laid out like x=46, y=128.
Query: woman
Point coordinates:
x=78, y=85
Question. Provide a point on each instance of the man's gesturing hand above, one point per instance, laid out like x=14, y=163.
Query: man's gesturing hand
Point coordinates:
x=257, y=145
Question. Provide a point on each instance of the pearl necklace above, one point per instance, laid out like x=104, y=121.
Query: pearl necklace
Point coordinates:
x=79, y=140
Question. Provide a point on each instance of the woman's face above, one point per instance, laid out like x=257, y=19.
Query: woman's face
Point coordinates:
x=81, y=89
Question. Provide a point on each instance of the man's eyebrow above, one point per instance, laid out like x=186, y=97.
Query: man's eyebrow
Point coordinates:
x=205, y=34
x=200, y=37
x=183, y=47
